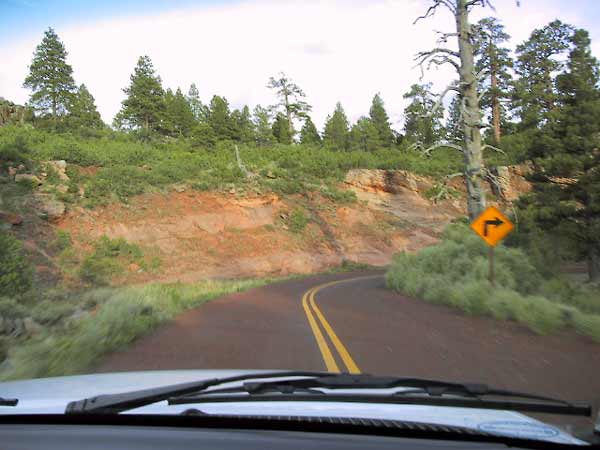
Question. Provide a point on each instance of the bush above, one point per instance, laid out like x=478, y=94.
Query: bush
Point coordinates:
x=108, y=260
x=15, y=270
x=454, y=272
x=297, y=221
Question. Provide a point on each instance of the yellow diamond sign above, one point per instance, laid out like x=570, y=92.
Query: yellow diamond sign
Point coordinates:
x=492, y=226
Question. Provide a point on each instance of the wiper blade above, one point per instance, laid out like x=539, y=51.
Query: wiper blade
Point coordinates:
x=570, y=409
x=427, y=392
x=9, y=401
x=116, y=403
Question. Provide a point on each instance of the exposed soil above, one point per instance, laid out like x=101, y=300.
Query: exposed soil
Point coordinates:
x=199, y=235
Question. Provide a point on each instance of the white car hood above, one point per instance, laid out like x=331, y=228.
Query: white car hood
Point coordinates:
x=51, y=396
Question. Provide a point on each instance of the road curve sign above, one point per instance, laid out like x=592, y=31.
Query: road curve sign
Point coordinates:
x=492, y=226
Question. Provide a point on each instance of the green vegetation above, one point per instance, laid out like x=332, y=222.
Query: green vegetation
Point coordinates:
x=454, y=273
x=298, y=221
x=121, y=315
x=15, y=269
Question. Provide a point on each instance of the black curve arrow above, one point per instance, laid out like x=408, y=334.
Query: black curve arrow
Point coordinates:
x=496, y=222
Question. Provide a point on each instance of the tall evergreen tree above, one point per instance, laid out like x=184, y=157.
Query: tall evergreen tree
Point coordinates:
x=566, y=181
x=494, y=62
x=144, y=105
x=243, y=127
x=534, y=93
x=309, y=134
x=178, y=118
x=50, y=77
x=193, y=98
x=291, y=101
x=82, y=110
x=421, y=126
x=364, y=135
x=219, y=118
x=281, y=129
x=454, y=130
x=336, y=133
x=262, y=126
x=381, y=122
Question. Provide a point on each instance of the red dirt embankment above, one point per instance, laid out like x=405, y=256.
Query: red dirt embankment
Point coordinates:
x=198, y=235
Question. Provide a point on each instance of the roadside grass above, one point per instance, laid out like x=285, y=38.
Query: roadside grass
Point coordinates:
x=79, y=327
x=454, y=273
x=122, y=315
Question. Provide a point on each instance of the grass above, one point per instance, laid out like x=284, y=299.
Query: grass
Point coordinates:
x=125, y=167
x=454, y=273
x=123, y=315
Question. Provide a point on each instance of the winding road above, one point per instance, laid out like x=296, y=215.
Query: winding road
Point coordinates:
x=350, y=322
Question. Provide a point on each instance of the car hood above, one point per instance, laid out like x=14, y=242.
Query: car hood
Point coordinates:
x=51, y=396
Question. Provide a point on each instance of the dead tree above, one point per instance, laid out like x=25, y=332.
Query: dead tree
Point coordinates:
x=466, y=86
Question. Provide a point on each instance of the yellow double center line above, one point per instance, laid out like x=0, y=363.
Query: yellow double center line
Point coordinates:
x=309, y=305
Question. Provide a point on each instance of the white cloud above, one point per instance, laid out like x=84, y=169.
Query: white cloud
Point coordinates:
x=336, y=51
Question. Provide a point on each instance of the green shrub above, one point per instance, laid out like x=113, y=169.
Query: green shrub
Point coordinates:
x=588, y=325
x=11, y=308
x=297, y=221
x=338, y=196
x=15, y=270
x=108, y=260
x=99, y=270
x=454, y=272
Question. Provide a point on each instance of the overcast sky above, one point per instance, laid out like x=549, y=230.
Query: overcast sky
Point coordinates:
x=335, y=50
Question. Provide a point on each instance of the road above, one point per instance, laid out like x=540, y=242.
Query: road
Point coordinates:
x=350, y=322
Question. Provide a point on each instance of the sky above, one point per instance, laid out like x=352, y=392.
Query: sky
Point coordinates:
x=336, y=50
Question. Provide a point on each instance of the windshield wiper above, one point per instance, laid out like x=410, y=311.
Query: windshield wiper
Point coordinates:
x=427, y=392
x=116, y=403
x=9, y=401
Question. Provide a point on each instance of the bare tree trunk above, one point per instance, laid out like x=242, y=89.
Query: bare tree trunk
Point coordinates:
x=495, y=102
x=471, y=114
x=289, y=116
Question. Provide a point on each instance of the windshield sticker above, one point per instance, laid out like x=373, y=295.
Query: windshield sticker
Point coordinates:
x=519, y=429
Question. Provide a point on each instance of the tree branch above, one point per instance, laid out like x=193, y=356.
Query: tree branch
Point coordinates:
x=496, y=149
x=430, y=12
x=442, y=144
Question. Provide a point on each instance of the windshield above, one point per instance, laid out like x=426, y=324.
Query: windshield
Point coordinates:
x=407, y=189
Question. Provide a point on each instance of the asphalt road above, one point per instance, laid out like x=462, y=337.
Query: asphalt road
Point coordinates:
x=350, y=322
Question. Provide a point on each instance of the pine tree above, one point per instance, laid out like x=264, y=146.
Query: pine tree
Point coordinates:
x=421, y=126
x=82, y=110
x=336, y=134
x=566, y=181
x=262, y=127
x=381, y=122
x=454, y=131
x=144, y=105
x=534, y=94
x=364, y=135
x=198, y=109
x=243, y=127
x=290, y=100
x=219, y=118
x=50, y=77
x=309, y=134
x=494, y=62
x=281, y=129
x=178, y=117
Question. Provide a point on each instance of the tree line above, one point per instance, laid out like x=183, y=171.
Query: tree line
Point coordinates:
x=540, y=105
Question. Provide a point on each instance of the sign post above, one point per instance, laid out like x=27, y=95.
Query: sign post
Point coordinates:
x=492, y=226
